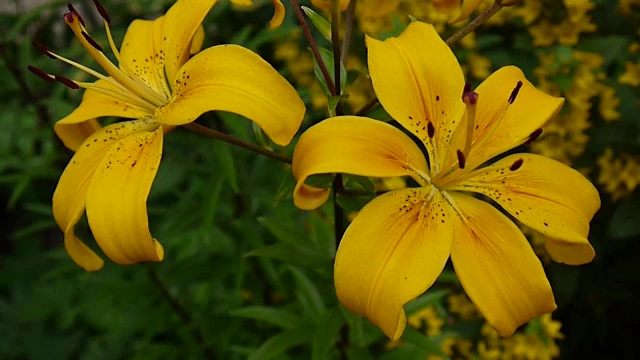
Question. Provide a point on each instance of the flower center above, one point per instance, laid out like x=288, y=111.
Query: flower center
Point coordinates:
x=121, y=84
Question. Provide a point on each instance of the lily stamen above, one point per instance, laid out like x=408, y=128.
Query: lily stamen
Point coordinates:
x=470, y=100
x=131, y=83
x=41, y=74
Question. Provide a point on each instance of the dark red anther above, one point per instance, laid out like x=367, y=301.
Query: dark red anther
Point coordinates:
x=67, y=82
x=515, y=92
x=516, y=165
x=103, y=12
x=431, y=130
x=72, y=11
x=41, y=74
x=462, y=161
x=471, y=97
x=91, y=41
x=43, y=49
x=534, y=135
x=467, y=88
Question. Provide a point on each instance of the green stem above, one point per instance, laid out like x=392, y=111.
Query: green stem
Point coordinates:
x=312, y=44
x=231, y=140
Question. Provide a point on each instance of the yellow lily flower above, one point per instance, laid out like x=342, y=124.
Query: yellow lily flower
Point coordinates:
x=158, y=85
x=278, y=15
x=399, y=243
x=463, y=8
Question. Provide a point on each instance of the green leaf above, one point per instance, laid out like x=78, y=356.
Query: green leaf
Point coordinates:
x=307, y=293
x=285, y=190
x=320, y=23
x=286, y=232
x=418, y=339
x=292, y=254
x=281, y=343
x=431, y=297
x=326, y=333
x=278, y=317
x=625, y=221
x=226, y=163
x=327, y=59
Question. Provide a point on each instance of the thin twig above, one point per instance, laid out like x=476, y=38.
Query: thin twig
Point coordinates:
x=182, y=313
x=497, y=5
x=312, y=44
x=348, y=31
x=335, y=43
x=368, y=106
x=231, y=140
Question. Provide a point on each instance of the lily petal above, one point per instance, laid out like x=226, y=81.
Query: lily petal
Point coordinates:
x=392, y=252
x=70, y=195
x=142, y=54
x=419, y=83
x=497, y=267
x=352, y=145
x=501, y=126
x=75, y=127
x=545, y=195
x=232, y=78
x=575, y=253
x=73, y=135
x=117, y=195
x=278, y=15
x=181, y=23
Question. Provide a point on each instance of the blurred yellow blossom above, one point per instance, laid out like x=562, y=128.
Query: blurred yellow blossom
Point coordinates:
x=619, y=174
x=631, y=75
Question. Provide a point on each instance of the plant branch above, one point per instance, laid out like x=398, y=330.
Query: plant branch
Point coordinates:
x=368, y=106
x=335, y=43
x=479, y=20
x=348, y=31
x=312, y=44
x=203, y=130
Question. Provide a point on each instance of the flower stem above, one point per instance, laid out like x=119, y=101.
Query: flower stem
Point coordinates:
x=231, y=140
x=312, y=44
x=479, y=20
x=348, y=31
x=335, y=43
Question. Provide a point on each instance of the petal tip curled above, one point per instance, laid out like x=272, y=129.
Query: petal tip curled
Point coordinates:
x=278, y=15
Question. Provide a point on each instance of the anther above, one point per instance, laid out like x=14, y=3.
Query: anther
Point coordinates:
x=516, y=165
x=67, y=82
x=515, y=92
x=103, y=12
x=72, y=10
x=91, y=41
x=462, y=161
x=534, y=135
x=41, y=74
x=431, y=130
x=467, y=88
x=43, y=49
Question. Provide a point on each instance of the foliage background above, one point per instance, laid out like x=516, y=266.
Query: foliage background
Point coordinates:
x=248, y=275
